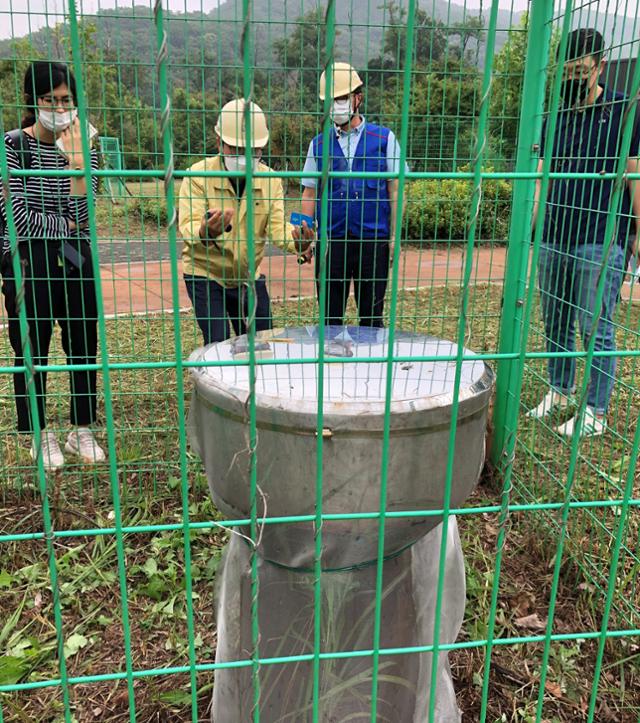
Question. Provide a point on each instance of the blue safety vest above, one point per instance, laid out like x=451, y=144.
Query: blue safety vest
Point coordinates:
x=358, y=207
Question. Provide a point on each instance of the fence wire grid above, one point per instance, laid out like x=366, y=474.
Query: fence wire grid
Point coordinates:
x=506, y=223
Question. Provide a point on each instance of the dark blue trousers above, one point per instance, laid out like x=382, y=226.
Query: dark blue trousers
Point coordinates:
x=216, y=305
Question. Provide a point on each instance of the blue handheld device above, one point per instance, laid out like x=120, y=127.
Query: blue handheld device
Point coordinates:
x=297, y=219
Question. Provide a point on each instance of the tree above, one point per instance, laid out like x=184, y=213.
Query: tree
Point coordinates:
x=12, y=70
x=301, y=54
x=506, y=93
x=429, y=44
x=506, y=96
x=471, y=28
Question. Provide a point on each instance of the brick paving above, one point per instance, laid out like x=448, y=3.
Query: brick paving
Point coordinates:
x=145, y=287
x=141, y=287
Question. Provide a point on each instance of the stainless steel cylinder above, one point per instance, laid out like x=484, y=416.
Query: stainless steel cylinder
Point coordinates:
x=421, y=399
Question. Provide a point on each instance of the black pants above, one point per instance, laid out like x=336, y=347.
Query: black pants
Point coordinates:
x=215, y=305
x=51, y=295
x=367, y=263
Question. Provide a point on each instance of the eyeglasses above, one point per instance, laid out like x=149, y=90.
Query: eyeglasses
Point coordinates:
x=51, y=101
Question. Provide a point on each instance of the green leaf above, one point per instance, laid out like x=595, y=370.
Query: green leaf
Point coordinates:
x=32, y=572
x=150, y=567
x=12, y=622
x=175, y=697
x=19, y=649
x=212, y=566
x=156, y=588
x=619, y=464
x=74, y=643
x=168, y=608
x=173, y=483
x=195, y=572
x=165, y=608
x=11, y=669
x=5, y=579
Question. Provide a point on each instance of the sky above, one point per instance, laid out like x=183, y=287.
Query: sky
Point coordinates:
x=19, y=17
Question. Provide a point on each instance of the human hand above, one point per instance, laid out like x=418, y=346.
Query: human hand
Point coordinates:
x=304, y=236
x=215, y=223
x=71, y=145
x=73, y=226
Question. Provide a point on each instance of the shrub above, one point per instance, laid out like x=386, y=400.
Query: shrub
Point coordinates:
x=149, y=209
x=439, y=209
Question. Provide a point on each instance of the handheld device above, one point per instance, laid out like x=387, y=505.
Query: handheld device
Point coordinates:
x=71, y=258
x=297, y=219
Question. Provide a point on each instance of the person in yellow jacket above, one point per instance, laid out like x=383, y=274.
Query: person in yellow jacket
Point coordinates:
x=213, y=224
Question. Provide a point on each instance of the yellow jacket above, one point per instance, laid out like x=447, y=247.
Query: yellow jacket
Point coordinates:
x=227, y=261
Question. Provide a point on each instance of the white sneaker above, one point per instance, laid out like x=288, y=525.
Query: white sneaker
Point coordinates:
x=592, y=426
x=51, y=453
x=552, y=400
x=82, y=442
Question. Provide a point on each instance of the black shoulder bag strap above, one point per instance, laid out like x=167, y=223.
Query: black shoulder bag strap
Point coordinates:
x=20, y=145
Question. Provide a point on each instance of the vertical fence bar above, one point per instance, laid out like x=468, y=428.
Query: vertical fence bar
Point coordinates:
x=104, y=357
x=327, y=126
x=246, y=50
x=386, y=430
x=540, y=27
x=162, y=57
x=511, y=326
x=474, y=212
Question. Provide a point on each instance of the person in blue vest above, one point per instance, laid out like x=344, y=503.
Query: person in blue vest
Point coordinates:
x=360, y=223
x=588, y=136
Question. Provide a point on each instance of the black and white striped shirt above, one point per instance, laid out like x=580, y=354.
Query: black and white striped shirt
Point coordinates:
x=43, y=208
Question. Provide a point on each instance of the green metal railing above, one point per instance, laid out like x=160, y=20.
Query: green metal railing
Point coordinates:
x=107, y=571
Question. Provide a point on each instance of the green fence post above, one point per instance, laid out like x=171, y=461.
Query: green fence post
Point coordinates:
x=103, y=350
x=530, y=127
x=322, y=188
x=166, y=137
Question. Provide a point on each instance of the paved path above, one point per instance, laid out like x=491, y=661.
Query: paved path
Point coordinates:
x=143, y=284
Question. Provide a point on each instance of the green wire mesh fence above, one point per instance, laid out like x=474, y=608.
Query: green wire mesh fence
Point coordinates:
x=108, y=570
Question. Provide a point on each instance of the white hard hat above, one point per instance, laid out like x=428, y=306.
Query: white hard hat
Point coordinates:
x=344, y=80
x=231, y=125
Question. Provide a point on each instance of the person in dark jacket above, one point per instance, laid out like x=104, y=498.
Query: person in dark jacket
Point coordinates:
x=51, y=217
x=587, y=139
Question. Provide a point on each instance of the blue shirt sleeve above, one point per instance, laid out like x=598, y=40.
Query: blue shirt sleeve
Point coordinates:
x=310, y=166
x=393, y=154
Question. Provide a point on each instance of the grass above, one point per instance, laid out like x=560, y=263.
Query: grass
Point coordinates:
x=148, y=480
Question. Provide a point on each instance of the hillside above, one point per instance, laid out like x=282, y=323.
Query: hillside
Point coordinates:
x=127, y=38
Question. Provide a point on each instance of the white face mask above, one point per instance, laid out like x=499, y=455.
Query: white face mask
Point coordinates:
x=341, y=111
x=56, y=122
x=239, y=163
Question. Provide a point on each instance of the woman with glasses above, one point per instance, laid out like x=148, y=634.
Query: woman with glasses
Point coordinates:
x=50, y=214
